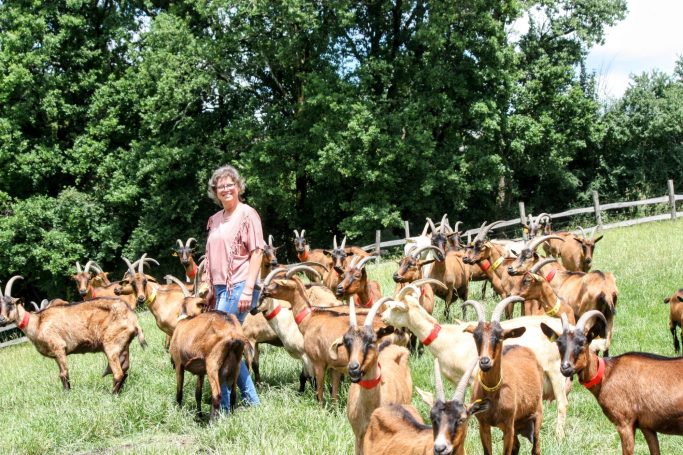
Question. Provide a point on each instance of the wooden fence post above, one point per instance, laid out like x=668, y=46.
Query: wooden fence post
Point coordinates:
x=522, y=216
x=672, y=198
x=378, y=240
x=406, y=226
x=596, y=207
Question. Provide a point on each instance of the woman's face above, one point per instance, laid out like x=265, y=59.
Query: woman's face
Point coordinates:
x=227, y=192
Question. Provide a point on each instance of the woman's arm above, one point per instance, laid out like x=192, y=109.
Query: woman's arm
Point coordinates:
x=252, y=274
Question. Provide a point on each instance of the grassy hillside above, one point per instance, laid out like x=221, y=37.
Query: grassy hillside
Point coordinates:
x=37, y=417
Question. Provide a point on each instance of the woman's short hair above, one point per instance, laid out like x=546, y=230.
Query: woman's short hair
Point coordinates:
x=222, y=172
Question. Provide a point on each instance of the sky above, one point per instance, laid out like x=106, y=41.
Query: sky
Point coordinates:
x=650, y=37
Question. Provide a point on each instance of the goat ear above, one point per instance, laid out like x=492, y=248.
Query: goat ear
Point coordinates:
x=549, y=332
x=515, y=252
x=666, y=300
x=513, y=333
x=384, y=331
x=679, y=298
x=470, y=328
x=578, y=239
x=478, y=406
x=327, y=252
x=427, y=397
x=598, y=239
x=334, y=348
x=174, y=253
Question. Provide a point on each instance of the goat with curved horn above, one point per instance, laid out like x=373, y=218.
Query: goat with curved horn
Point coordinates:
x=273, y=273
x=485, y=231
x=189, y=241
x=539, y=265
x=78, y=267
x=180, y=243
x=481, y=230
x=364, y=261
x=481, y=315
x=416, y=253
x=186, y=292
x=461, y=388
x=588, y=315
x=536, y=241
x=296, y=233
x=583, y=233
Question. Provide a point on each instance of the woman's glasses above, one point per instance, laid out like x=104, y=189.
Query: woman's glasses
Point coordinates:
x=229, y=186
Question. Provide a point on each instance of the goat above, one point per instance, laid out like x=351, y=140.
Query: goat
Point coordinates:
x=320, y=327
x=208, y=344
x=582, y=291
x=536, y=227
x=635, y=390
x=96, y=325
x=269, y=258
x=533, y=286
x=380, y=375
x=577, y=255
x=98, y=285
x=510, y=378
x=304, y=253
x=676, y=316
x=185, y=255
x=399, y=429
x=443, y=340
x=338, y=255
x=355, y=282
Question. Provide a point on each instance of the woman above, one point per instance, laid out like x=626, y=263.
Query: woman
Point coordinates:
x=233, y=257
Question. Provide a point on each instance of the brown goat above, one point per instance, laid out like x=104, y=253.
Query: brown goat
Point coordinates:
x=185, y=255
x=208, y=344
x=576, y=252
x=531, y=286
x=355, y=282
x=635, y=390
x=97, y=325
x=91, y=286
x=397, y=429
x=380, y=376
x=305, y=254
x=320, y=327
x=511, y=379
x=676, y=316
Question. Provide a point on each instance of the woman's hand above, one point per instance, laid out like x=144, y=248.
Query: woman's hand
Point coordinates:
x=244, y=304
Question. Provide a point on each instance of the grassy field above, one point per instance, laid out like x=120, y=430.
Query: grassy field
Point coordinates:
x=37, y=417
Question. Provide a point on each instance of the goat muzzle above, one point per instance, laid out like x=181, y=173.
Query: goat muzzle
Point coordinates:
x=355, y=373
x=398, y=278
x=567, y=369
x=340, y=291
x=485, y=364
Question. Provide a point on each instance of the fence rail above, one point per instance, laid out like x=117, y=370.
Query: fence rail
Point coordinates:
x=597, y=209
x=7, y=328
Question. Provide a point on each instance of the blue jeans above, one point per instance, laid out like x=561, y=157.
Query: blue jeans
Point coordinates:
x=228, y=303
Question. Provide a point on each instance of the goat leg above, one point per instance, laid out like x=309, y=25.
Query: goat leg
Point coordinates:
x=255, y=364
x=60, y=357
x=117, y=371
x=485, y=436
x=198, y=393
x=319, y=382
x=215, y=393
x=179, y=381
x=652, y=441
x=677, y=346
x=303, y=378
x=627, y=435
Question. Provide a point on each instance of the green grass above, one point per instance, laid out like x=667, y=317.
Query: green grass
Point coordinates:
x=37, y=417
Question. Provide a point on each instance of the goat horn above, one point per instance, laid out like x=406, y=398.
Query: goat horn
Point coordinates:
x=373, y=311
x=334, y=242
x=565, y=322
x=44, y=303
x=444, y=223
x=477, y=309
x=272, y=275
x=353, y=261
x=535, y=242
x=423, y=281
x=141, y=265
x=595, y=229
x=198, y=278
x=95, y=266
x=438, y=382
x=183, y=288
x=424, y=230
x=363, y=261
x=8, y=286
x=417, y=252
x=35, y=305
x=300, y=268
x=583, y=233
x=459, y=395
x=481, y=230
x=296, y=233
x=303, y=232
x=542, y=263
x=78, y=267
x=488, y=228
x=131, y=270
x=189, y=241
x=498, y=310
x=311, y=264
x=431, y=224
x=270, y=240
x=404, y=290
x=88, y=264
x=353, y=321
x=180, y=243
x=541, y=216
x=588, y=315
x=457, y=223
x=343, y=244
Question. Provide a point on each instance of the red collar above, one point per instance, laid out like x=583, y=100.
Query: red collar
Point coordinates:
x=302, y=315
x=274, y=313
x=550, y=275
x=24, y=321
x=432, y=335
x=368, y=304
x=192, y=273
x=303, y=256
x=92, y=294
x=372, y=383
x=597, y=379
x=485, y=265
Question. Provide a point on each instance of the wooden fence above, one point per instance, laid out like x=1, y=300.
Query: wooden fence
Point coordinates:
x=597, y=209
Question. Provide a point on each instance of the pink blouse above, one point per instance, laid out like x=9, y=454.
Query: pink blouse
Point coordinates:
x=231, y=241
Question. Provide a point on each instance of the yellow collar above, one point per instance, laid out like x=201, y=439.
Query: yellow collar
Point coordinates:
x=555, y=309
x=495, y=388
x=152, y=295
x=497, y=263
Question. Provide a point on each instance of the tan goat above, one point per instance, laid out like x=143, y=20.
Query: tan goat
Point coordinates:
x=675, y=316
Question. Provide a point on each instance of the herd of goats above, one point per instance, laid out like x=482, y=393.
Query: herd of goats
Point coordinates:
x=512, y=363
